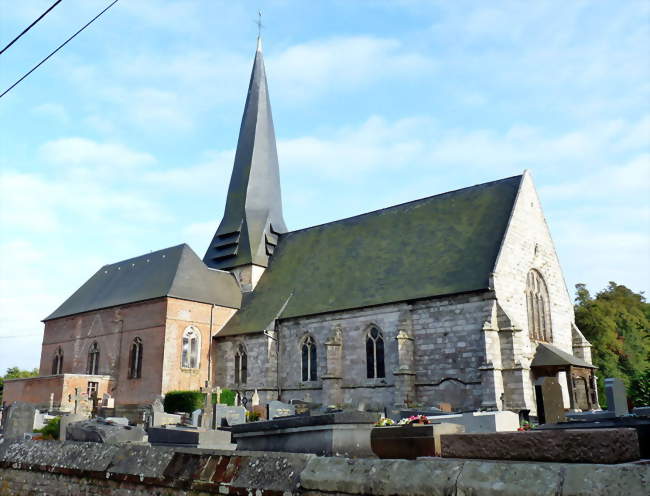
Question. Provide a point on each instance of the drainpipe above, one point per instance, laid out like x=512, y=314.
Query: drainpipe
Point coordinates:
x=207, y=383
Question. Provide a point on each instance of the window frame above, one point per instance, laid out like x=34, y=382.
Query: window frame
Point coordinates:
x=308, y=357
x=191, y=348
x=57, y=362
x=538, y=307
x=375, y=347
x=92, y=367
x=135, y=358
x=241, y=364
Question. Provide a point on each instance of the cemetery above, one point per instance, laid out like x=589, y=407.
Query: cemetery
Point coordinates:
x=301, y=447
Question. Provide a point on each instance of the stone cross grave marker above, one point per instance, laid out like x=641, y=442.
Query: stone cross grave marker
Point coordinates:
x=78, y=397
x=18, y=420
x=280, y=409
x=228, y=415
x=616, y=397
x=553, y=401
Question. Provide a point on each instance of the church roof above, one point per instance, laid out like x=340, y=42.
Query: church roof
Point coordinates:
x=252, y=217
x=177, y=272
x=435, y=246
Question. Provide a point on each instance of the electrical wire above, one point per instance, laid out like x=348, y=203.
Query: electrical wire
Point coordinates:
x=57, y=49
x=30, y=26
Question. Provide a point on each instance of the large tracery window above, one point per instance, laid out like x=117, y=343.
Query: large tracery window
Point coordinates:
x=135, y=359
x=241, y=365
x=375, y=354
x=309, y=359
x=57, y=363
x=93, y=359
x=539, y=309
x=191, y=348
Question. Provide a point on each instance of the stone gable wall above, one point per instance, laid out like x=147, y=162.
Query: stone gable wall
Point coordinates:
x=528, y=245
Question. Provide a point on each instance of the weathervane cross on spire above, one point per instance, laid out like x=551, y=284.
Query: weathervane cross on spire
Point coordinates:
x=259, y=24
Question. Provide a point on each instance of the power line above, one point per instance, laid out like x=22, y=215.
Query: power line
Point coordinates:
x=57, y=49
x=30, y=26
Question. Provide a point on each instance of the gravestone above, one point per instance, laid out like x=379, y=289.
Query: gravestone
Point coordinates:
x=39, y=420
x=616, y=397
x=159, y=417
x=18, y=420
x=225, y=415
x=108, y=401
x=553, y=401
x=255, y=400
x=304, y=407
x=66, y=419
x=279, y=409
x=196, y=417
x=260, y=410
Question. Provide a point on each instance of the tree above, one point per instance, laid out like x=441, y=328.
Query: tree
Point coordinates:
x=15, y=373
x=617, y=324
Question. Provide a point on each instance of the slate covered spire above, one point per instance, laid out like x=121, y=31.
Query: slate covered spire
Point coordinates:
x=252, y=219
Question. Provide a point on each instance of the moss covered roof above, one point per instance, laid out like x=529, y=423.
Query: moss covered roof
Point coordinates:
x=435, y=246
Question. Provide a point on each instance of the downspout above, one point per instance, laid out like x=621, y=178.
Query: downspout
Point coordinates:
x=207, y=382
x=276, y=338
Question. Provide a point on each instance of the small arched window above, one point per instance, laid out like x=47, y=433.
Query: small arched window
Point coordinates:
x=191, y=348
x=309, y=359
x=375, y=354
x=538, y=308
x=135, y=359
x=57, y=363
x=241, y=365
x=93, y=359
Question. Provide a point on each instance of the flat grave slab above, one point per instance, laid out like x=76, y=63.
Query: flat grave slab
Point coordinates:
x=553, y=445
x=188, y=437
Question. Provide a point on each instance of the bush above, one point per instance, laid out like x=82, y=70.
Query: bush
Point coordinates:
x=228, y=397
x=51, y=429
x=252, y=416
x=183, y=401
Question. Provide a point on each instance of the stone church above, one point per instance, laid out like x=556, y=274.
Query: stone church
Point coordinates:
x=456, y=298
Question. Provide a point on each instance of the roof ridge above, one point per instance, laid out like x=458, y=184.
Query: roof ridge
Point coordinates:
x=145, y=254
x=402, y=204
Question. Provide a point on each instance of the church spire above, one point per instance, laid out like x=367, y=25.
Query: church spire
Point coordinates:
x=252, y=218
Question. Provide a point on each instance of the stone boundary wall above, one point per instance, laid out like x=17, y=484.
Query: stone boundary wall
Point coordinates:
x=55, y=468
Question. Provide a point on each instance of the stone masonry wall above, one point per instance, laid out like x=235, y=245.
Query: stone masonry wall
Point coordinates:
x=448, y=343
x=61, y=469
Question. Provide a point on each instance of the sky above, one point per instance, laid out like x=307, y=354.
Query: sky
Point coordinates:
x=123, y=142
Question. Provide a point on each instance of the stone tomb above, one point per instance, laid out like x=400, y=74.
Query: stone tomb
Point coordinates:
x=191, y=438
x=159, y=417
x=478, y=422
x=101, y=431
x=334, y=434
x=279, y=409
x=553, y=445
x=224, y=415
x=410, y=441
x=18, y=420
x=616, y=396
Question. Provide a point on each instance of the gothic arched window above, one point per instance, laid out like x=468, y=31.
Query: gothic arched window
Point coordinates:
x=135, y=359
x=93, y=359
x=538, y=307
x=241, y=365
x=191, y=348
x=375, y=354
x=57, y=363
x=309, y=359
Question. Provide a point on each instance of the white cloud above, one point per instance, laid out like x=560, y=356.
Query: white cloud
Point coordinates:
x=54, y=111
x=85, y=152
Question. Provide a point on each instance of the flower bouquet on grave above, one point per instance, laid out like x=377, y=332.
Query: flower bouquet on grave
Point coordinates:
x=526, y=426
x=384, y=422
x=414, y=420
